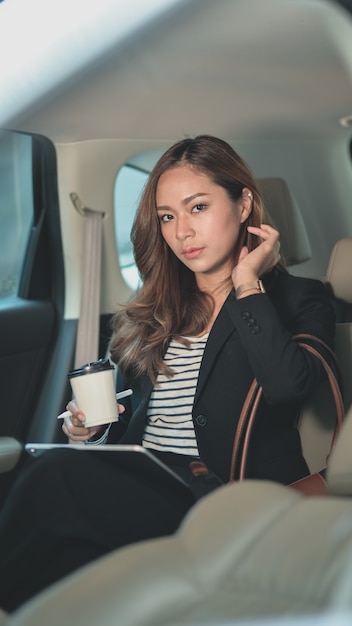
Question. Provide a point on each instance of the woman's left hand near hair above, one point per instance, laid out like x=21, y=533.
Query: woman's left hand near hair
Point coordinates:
x=74, y=427
x=252, y=265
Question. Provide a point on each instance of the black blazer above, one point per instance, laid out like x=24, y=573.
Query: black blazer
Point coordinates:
x=251, y=337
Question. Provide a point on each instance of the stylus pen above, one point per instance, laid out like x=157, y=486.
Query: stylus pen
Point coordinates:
x=121, y=394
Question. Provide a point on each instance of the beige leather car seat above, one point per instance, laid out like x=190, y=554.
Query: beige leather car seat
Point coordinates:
x=250, y=550
x=317, y=419
x=339, y=271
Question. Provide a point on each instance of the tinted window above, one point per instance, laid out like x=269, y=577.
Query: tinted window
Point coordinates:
x=128, y=188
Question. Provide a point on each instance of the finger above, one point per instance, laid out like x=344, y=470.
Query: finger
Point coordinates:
x=243, y=253
x=266, y=227
x=77, y=415
x=75, y=422
x=72, y=406
x=78, y=421
x=78, y=433
x=75, y=426
x=121, y=408
x=73, y=431
x=264, y=231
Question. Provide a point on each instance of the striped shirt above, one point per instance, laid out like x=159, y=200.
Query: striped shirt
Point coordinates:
x=170, y=427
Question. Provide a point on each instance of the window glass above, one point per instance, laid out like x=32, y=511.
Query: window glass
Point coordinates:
x=129, y=184
x=16, y=207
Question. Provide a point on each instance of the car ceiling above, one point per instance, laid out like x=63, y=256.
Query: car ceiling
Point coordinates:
x=243, y=69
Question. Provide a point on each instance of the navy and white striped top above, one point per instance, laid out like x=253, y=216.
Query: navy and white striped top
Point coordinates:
x=170, y=426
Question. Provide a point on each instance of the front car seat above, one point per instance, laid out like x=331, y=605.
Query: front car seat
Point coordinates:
x=250, y=550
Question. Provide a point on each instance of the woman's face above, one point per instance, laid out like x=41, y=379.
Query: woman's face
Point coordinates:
x=199, y=222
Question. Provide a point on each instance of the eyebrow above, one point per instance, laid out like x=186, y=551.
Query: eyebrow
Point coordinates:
x=185, y=201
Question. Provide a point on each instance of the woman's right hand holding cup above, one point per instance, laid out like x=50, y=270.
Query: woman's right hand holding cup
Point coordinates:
x=73, y=426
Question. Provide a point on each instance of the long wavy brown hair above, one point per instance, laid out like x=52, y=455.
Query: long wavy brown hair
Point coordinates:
x=169, y=304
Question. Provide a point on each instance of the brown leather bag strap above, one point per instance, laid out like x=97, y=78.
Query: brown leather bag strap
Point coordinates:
x=247, y=415
x=251, y=403
x=335, y=389
x=328, y=349
x=247, y=436
x=335, y=381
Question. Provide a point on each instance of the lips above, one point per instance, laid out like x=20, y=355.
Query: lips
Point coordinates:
x=191, y=253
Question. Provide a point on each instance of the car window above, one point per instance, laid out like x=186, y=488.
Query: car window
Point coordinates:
x=16, y=207
x=129, y=184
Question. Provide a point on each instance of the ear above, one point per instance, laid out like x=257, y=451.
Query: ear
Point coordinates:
x=246, y=203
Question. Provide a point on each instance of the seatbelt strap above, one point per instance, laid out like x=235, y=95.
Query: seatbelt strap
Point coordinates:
x=87, y=340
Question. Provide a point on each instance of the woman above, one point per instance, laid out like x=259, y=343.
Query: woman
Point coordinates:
x=216, y=309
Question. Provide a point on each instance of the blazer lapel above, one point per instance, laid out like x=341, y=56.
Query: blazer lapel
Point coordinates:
x=222, y=328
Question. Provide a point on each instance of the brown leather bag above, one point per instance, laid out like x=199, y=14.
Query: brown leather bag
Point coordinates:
x=313, y=484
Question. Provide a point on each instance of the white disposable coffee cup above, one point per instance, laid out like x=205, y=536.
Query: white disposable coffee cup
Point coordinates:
x=93, y=387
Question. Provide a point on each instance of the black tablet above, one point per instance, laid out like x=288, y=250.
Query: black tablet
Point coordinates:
x=129, y=456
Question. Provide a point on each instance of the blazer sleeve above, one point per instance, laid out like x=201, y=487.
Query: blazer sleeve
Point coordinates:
x=266, y=324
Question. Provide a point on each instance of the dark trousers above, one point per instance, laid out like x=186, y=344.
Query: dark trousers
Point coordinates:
x=68, y=508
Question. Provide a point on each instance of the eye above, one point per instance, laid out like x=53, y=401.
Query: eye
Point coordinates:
x=198, y=208
x=166, y=217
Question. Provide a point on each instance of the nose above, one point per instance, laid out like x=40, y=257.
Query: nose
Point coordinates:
x=184, y=228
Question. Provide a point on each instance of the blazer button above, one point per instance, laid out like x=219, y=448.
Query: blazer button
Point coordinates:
x=255, y=329
x=201, y=420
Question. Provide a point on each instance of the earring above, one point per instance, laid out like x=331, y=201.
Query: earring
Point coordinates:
x=249, y=195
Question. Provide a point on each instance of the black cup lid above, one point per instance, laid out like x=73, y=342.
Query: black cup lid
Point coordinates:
x=91, y=368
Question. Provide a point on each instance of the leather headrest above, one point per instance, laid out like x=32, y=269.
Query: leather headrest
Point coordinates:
x=286, y=216
x=339, y=272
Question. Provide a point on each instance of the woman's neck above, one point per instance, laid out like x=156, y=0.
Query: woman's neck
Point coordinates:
x=218, y=295
x=214, y=285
